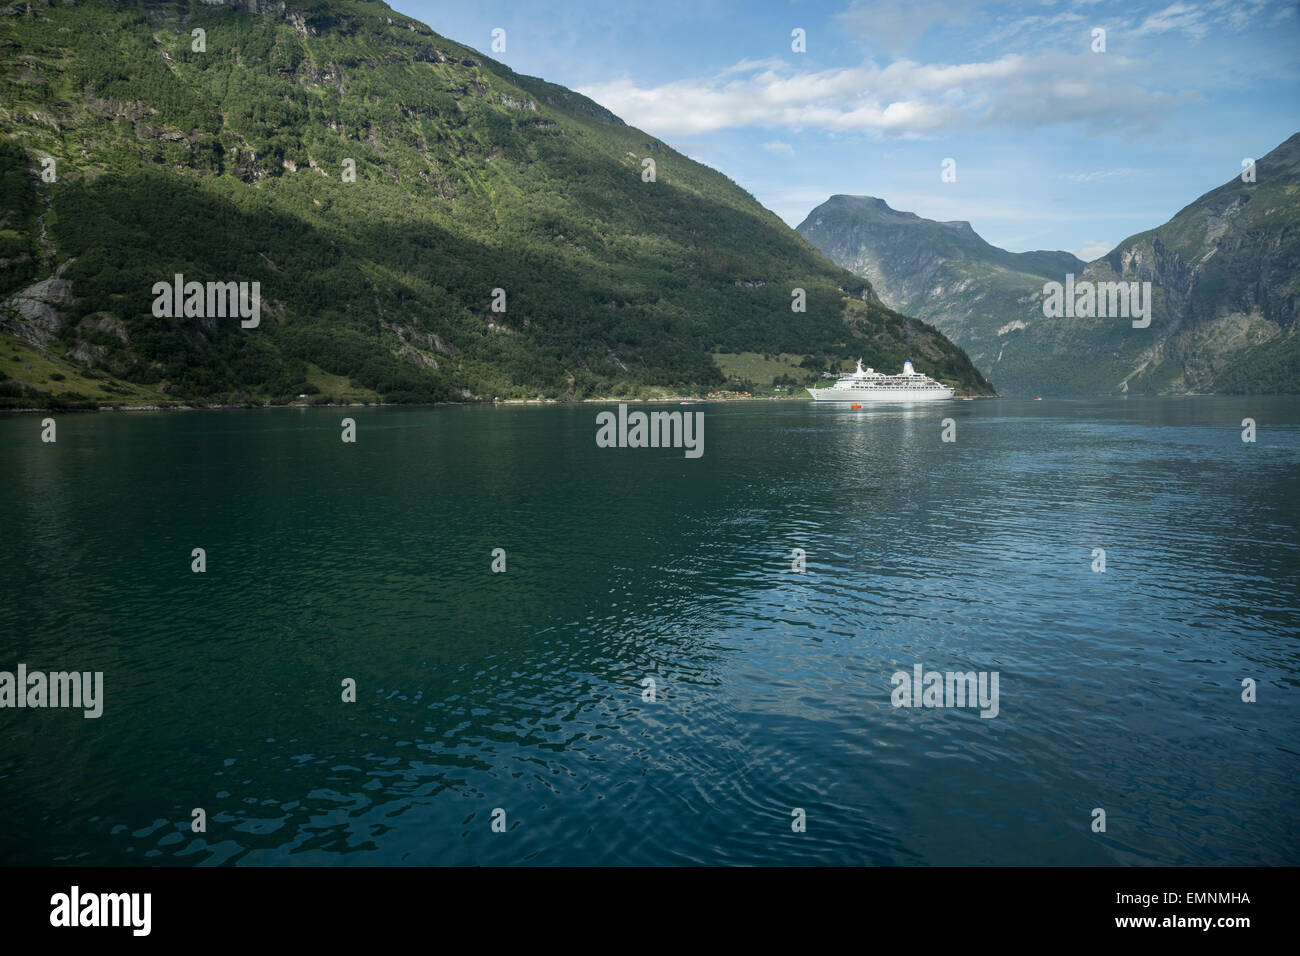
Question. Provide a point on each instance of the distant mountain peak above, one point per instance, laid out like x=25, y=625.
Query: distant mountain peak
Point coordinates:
x=866, y=205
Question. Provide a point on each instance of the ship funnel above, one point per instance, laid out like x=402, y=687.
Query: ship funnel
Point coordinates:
x=907, y=368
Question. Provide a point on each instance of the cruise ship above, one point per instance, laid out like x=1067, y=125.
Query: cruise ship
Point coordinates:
x=868, y=385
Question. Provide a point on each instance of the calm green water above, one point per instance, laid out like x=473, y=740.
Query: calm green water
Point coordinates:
x=523, y=690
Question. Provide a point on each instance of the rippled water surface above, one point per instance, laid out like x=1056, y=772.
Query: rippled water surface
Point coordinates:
x=523, y=690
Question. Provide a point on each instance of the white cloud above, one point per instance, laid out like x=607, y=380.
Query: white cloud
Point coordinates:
x=904, y=98
x=1093, y=249
x=1188, y=19
x=1092, y=176
x=1009, y=28
x=1199, y=20
x=776, y=146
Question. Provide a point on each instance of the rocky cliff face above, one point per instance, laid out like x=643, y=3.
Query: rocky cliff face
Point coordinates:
x=1224, y=274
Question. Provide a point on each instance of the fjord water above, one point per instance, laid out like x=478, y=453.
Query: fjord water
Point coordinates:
x=523, y=690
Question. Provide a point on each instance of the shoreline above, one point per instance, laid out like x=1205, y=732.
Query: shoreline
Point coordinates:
x=504, y=401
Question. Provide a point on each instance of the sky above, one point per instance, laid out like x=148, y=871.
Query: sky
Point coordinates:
x=1055, y=142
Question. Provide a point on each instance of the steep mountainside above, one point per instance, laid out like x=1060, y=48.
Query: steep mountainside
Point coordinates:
x=131, y=152
x=941, y=272
x=906, y=256
x=1224, y=274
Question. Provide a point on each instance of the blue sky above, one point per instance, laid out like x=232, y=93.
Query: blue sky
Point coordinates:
x=1056, y=146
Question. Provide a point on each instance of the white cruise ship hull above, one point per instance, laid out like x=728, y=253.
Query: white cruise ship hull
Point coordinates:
x=875, y=395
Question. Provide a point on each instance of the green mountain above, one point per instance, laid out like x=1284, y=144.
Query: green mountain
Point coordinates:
x=941, y=272
x=131, y=152
x=1224, y=274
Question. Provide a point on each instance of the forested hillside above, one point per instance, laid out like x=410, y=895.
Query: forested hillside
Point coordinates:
x=128, y=155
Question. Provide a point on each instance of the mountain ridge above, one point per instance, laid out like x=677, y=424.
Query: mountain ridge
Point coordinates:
x=1223, y=272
